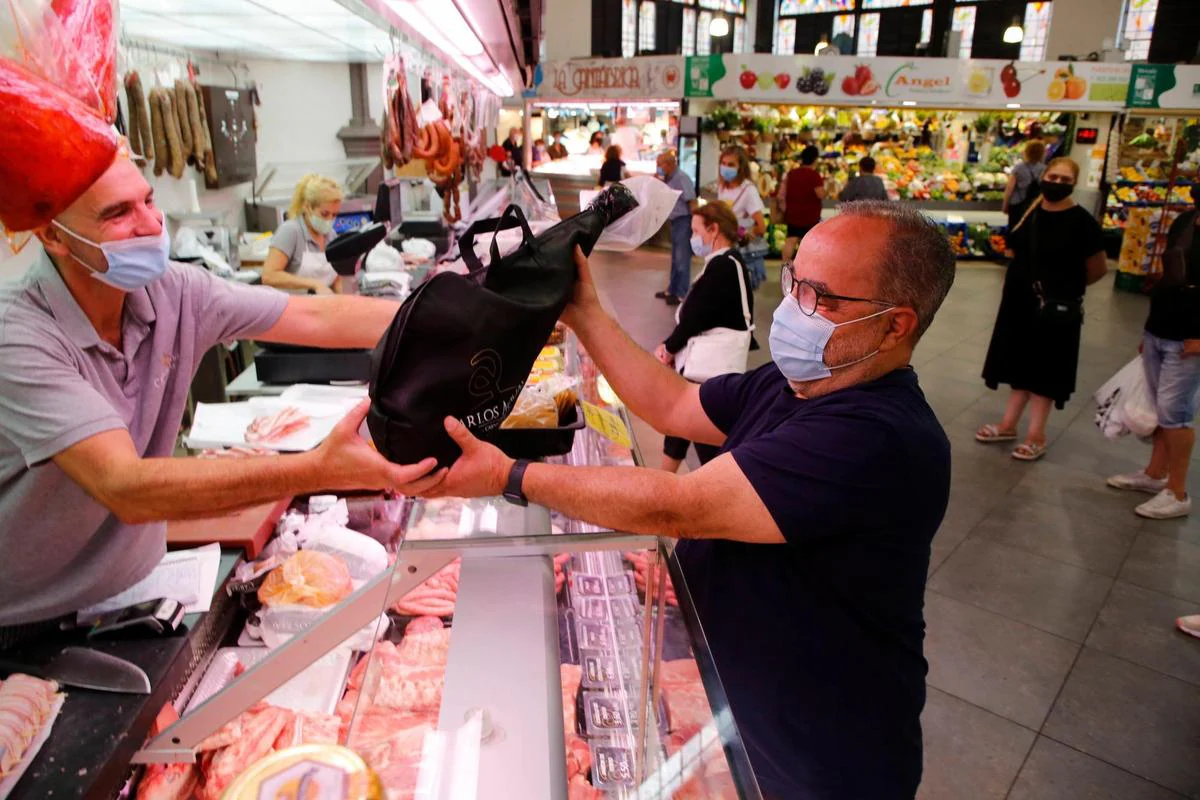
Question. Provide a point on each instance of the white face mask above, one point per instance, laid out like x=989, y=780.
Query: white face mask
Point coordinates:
x=798, y=341
x=132, y=263
x=320, y=224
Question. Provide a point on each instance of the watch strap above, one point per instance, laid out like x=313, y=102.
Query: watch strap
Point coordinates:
x=513, y=492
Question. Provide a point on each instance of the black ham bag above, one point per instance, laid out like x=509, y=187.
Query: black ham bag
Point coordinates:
x=463, y=345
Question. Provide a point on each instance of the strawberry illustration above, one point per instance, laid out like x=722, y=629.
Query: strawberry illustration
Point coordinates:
x=862, y=74
x=783, y=80
x=747, y=78
x=850, y=85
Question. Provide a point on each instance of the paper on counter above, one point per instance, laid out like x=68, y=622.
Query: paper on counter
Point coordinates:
x=224, y=424
x=189, y=576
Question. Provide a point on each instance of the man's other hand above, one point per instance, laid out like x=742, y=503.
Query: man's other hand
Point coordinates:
x=347, y=461
x=481, y=471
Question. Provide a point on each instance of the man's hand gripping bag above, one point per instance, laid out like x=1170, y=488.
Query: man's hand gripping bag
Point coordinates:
x=463, y=345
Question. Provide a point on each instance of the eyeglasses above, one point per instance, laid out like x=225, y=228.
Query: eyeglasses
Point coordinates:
x=809, y=296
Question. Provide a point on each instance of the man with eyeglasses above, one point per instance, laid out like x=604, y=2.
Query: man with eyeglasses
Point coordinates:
x=806, y=542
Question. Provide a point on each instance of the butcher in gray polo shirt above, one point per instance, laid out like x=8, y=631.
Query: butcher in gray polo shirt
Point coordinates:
x=98, y=345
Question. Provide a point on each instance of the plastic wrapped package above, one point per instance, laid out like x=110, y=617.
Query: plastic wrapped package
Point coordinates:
x=57, y=100
x=655, y=201
x=308, y=578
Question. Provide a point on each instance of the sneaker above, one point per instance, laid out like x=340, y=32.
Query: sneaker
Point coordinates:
x=1164, y=505
x=1137, y=482
x=1189, y=625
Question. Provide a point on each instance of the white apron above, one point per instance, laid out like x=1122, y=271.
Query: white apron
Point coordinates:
x=316, y=266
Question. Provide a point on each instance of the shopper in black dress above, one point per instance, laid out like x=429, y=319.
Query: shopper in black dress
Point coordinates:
x=1058, y=252
x=613, y=168
x=714, y=301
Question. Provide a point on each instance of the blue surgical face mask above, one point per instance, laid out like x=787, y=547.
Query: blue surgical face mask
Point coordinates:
x=727, y=173
x=320, y=224
x=700, y=247
x=798, y=341
x=132, y=263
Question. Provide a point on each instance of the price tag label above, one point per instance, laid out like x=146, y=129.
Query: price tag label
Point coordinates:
x=607, y=424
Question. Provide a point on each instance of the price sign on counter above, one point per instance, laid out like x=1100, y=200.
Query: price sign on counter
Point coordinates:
x=607, y=424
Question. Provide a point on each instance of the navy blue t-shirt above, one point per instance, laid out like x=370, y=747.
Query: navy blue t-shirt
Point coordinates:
x=818, y=642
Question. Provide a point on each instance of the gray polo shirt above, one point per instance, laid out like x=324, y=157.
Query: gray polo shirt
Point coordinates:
x=294, y=239
x=60, y=384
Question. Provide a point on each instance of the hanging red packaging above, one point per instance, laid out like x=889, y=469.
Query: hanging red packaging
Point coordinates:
x=52, y=148
x=57, y=101
x=88, y=26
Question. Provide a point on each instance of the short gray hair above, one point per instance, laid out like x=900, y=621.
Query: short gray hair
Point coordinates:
x=917, y=267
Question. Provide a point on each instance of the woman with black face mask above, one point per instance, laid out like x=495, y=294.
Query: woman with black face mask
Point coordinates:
x=1058, y=253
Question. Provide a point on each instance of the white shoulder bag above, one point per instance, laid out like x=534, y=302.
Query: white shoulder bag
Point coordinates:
x=718, y=351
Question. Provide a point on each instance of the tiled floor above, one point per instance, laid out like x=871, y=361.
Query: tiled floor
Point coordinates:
x=1054, y=669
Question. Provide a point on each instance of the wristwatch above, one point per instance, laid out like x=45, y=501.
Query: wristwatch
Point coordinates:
x=512, y=490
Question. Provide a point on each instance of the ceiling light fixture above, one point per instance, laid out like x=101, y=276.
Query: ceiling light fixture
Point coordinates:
x=441, y=24
x=1014, y=33
x=718, y=27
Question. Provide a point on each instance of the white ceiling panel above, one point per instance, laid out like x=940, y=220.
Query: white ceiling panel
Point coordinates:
x=290, y=7
x=349, y=22
x=192, y=6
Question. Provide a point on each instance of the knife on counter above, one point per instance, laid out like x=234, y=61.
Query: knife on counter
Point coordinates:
x=87, y=669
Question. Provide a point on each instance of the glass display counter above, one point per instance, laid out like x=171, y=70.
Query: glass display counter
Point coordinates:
x=501, y=652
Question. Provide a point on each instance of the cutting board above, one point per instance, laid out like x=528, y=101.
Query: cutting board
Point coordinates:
x=248, y=529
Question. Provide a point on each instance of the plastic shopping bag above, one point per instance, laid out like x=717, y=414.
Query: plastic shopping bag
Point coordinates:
x=57, y=102
x=1123, y=404
x=655, y=202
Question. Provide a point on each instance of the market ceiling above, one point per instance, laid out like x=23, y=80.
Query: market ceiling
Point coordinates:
x=485, y=38
x=302, y=30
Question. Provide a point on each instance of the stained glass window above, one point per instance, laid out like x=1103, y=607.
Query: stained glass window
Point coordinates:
x=794, y=7
x=629, y=28
x=739, y=35
x=868, y=34
x=713, y=4
x=964, y=21
x=1037, y=30
x=785, y=37
x=926, y=25
x=689, y=31
x=703, y=40
x=1137, y=26
x=895, y=3
x=734, y=6
x=646, y=26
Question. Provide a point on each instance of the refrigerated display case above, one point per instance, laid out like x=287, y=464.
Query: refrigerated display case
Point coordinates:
x=504, y=652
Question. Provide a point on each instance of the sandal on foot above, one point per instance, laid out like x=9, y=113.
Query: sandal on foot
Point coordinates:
x=991, y=433
x=1029, y=451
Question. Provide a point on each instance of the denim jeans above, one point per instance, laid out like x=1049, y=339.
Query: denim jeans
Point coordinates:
x=1173, y=381
x=681, y=256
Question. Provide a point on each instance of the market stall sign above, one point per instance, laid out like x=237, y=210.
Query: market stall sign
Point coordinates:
x=607, y=424
x=887, y=81
x=702, y=73
x=644, y=78
x=1164, y=86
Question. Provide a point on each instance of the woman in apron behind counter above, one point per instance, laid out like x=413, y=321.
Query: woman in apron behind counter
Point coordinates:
x=296, y=260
